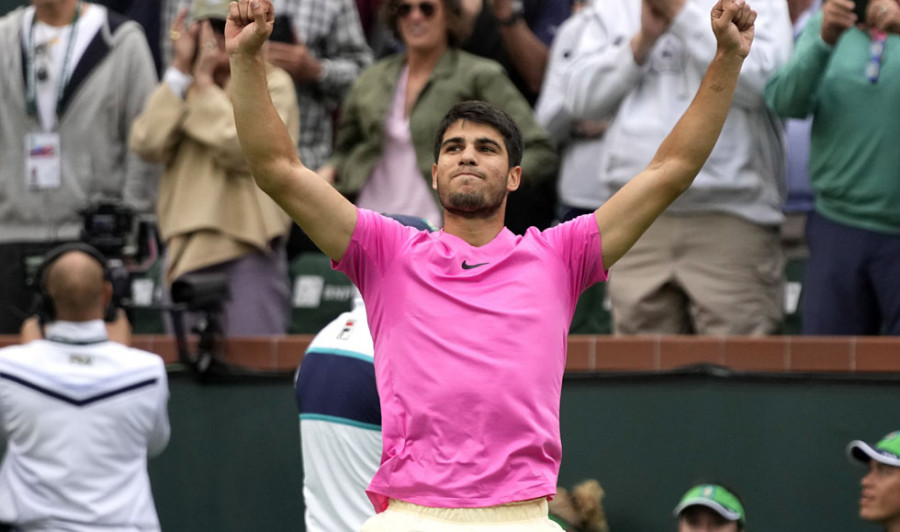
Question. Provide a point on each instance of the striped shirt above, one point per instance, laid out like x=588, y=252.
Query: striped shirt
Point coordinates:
x=79, y=415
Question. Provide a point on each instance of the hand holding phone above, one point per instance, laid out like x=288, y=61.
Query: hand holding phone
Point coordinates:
x=859, y=7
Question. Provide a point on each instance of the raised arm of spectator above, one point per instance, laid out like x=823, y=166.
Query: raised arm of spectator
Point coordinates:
x=792, y=91
x=528, y=50
x=326, y=216
x=607, y=62
x=630, y=212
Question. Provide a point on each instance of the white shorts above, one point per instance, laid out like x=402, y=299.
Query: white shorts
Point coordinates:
x=527, y=516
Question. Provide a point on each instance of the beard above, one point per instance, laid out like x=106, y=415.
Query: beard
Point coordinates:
x=472, y=205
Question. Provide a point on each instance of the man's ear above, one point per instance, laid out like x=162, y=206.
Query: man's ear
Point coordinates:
x=107, y=293
x=514, y=178
x=434, y=176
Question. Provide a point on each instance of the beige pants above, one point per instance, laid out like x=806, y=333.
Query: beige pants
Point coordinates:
x=707, y=274
x=528, y=516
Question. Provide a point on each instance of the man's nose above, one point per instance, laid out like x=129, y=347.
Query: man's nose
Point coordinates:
x=468, y=156
x=867, y=479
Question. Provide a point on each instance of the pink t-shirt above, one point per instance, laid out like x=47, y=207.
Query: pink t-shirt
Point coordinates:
x=470, y=349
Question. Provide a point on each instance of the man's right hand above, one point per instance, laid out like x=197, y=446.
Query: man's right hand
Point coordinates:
x=837, y=17
x=248, y=27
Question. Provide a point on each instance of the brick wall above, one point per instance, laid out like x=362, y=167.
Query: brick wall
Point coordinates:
x=618, y=353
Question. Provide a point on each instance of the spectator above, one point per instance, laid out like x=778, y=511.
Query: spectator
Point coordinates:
x=455, y=312
x=880, y=501
x=325, y=54
x=212, y=216
x=383, y=154
x=75, y=77
x=579, y=188
x=837, y=75
x=710, y=508
x=340, y=419
x=580, y=510
x=80, y=413
x=712, y=264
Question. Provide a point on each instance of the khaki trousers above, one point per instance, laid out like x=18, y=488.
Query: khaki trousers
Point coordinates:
x=713, y=274
x=527, y=516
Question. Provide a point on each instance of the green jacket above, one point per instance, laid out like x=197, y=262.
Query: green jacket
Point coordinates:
x=458, y=76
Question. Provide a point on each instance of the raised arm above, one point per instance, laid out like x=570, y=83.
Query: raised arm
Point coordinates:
x=625, y=217
x=326, y=216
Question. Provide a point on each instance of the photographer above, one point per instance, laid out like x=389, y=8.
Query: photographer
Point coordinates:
x=212, y=216
x=75, y=76
x=80, y=413
x=109, y=227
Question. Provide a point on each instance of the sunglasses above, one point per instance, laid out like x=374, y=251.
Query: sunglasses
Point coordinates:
x=426, y=8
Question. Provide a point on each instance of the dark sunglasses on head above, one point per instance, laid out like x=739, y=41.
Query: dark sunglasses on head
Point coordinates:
x=427, y=9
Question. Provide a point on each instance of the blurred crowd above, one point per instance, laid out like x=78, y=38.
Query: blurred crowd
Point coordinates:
x=128, y=101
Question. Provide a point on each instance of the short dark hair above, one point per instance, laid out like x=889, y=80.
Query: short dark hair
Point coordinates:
x=457, y=29
x=485, y=114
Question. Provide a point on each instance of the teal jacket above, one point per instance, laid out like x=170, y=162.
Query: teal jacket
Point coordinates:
x=853, y=160
x=458, y=76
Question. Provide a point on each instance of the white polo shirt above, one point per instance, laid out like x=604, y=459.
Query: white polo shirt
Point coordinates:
x=340, y=424
x=79, y=415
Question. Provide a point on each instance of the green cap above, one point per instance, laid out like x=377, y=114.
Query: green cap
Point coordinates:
x=887, y=451
x=204, y=9
x=716, y=498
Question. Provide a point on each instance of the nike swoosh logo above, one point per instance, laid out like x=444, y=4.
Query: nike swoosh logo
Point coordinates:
x=470, y=266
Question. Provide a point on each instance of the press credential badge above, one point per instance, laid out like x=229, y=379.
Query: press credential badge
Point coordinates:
x=43, y=168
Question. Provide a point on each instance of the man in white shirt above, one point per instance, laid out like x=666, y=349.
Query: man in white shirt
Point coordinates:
x=79, y=414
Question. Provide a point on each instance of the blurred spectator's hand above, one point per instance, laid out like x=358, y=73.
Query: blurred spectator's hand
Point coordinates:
x=184, y=46
x=668, y=9
x=296, y=60
x=837, y=16
x=327, y=173
x=503, y=9
x=656, y=16
x=883, y=15
x=590, y=129
x=210, y=56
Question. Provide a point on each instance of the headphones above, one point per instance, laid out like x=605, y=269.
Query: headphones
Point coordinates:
x=44, y=303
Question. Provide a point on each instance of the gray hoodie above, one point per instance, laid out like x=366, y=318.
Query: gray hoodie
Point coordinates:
x=107, y=89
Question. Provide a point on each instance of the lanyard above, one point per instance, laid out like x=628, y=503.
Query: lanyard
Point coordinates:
x=31, y=89
x=876, y=51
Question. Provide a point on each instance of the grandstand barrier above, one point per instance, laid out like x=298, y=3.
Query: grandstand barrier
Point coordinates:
x=646, y=416
x=605, y=353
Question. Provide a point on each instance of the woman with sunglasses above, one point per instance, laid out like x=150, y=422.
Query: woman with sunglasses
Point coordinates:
x=383, y=152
